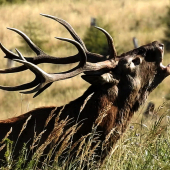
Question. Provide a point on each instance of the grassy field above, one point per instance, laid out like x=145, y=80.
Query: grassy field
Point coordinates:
x=145, y=145
x=141, y=20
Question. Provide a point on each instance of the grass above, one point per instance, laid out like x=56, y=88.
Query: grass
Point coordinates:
x=126, y=20
x=62, y=151
x=145, y=145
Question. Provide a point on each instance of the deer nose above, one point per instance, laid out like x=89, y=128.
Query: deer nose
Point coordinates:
x=158, y=45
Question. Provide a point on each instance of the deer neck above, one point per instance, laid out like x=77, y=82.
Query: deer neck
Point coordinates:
x=118, y=103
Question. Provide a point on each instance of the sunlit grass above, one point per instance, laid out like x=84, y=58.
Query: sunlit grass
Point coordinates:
x=144, y=145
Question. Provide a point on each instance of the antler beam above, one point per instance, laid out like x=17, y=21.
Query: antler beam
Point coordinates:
x=43, y=80
x=89, y=63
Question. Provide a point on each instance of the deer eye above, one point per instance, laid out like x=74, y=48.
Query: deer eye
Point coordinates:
x=136, y=61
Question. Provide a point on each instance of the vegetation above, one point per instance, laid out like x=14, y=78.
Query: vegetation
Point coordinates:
x=166, y=39
x=124, y=23
x=95, y=40
x=145, y=145
x=35, y=32
x=11, y=1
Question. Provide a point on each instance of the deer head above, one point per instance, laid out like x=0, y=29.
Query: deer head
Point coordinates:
x=141, y=63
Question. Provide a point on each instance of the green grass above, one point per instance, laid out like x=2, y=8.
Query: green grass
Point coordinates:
x=143, y=147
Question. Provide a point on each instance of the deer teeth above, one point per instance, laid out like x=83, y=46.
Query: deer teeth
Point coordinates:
x=162, y=65
x=161, y=47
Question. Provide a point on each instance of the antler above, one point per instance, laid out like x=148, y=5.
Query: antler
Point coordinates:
x=42, y=79
x=78, y=39
x=44, y=58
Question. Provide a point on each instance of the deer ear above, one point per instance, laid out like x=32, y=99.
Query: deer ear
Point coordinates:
x=99, y=80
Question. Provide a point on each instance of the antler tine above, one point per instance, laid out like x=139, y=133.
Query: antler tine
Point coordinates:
x=13, y=69
x=42, y=89
x=35, y=69
x=80, y=49
x=112, y=49
x=36, y=49
x=97, y=64
x=44, y=58
x=32, y=84
x=44, y=80
x=68, y=27
x=9, y=53
x=20, y=87
x=75, y=36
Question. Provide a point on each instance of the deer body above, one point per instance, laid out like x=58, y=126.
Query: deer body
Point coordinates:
x=119, y=85
x=99, y=102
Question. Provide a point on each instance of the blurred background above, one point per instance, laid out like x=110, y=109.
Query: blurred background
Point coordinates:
x=145, y=20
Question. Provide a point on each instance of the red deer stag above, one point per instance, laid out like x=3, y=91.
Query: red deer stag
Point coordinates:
x=119, y=85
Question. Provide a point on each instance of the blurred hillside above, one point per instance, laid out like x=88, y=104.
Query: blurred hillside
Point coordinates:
x=128, y=19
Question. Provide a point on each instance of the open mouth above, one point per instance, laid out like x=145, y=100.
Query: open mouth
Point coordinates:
x=161, y=47
x=165, y=68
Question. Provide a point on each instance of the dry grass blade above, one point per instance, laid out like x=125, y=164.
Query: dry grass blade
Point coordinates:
x=80, y=146
x=90, y=144
x=74, y=146
x=59, y=127
x=2, y=147
x=102, y=114
x=77, y=142
x=52, y=115
x=58, y=117
x=54, y=135
x=85, y=101
x=83, y=105
x=66, y=140
x=25, y=125
x=105, y=142
x=71, y=129
x=36, y=139
x=92, y=151
x=6, y=136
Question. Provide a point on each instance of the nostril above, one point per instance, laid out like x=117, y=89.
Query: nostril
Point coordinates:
x=136, y=61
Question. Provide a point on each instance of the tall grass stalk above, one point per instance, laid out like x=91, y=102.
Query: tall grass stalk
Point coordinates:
x=144, y=145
